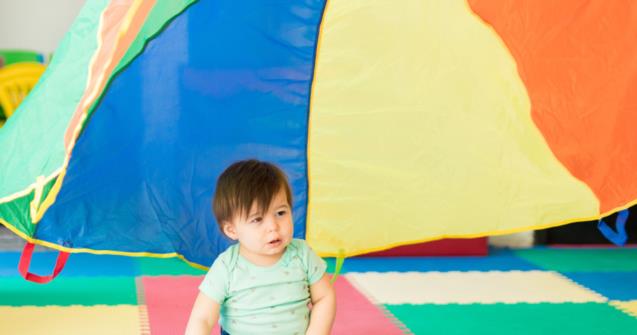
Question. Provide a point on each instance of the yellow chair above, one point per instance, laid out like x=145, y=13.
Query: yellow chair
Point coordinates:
x=16, y=81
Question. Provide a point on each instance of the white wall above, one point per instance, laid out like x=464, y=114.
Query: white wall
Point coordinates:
x=37, y=25
x=524, y=239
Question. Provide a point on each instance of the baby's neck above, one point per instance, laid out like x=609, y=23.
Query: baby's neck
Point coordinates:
x=260, y=260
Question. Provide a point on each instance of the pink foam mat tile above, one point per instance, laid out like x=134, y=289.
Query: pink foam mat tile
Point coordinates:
x=169, y=300
x=355, y=314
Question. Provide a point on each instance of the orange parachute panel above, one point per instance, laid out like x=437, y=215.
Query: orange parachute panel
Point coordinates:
x=578, y=61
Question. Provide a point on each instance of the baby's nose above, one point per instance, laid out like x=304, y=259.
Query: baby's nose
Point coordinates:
x=272, y=225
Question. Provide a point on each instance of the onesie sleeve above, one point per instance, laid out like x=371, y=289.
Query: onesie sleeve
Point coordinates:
x=215, y=283
x=315, y=266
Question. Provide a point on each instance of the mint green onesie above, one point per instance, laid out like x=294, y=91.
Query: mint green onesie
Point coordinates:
x=264, y=300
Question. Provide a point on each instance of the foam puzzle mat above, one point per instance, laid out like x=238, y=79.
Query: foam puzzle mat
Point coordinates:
x=531, y=291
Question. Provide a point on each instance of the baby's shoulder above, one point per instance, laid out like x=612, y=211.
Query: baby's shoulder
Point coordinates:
x=300, y=250
x=227, y=259
x=298, y=246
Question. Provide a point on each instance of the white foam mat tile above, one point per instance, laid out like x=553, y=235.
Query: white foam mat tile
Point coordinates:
x=470, y=287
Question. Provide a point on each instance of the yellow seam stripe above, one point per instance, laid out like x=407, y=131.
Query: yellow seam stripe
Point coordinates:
x=129, y=18
x=335, y=254
x=39, y=188
x=29, y=188
x=309, y=119
x=485, y=234
x=97, y=252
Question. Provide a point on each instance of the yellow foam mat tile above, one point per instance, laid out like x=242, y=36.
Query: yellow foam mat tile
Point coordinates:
x=470, y=287
x=54, y=320
x=628, y=307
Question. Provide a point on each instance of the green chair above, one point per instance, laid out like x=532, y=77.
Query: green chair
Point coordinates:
x=16, y=81
x=8, y=57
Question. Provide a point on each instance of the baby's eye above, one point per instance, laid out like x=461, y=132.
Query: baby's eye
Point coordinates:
x=257, y=219
x=281, y=212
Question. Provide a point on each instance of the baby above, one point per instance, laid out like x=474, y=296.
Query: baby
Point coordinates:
x=263, y=284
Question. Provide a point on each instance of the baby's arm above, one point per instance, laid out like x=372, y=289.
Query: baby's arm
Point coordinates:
x=323, y=307
x=203, y=317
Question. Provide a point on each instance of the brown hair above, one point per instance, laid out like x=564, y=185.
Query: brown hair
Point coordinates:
x=244, y=183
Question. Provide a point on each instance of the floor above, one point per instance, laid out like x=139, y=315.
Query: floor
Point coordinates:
x=530, y=291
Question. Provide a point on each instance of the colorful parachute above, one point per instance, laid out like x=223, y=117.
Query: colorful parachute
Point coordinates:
x=397, y=122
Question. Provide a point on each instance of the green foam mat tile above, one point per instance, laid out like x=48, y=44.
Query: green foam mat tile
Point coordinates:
x=166, y=266
x=582, y=260
x=519, y=319
x=69, y=291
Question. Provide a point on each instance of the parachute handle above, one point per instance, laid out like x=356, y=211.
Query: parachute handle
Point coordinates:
x=617, y=236
x=25, y=261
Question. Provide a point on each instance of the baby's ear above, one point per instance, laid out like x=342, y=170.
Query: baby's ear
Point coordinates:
x=229, y=230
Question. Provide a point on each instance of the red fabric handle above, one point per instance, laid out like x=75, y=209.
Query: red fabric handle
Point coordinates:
x=25, y=261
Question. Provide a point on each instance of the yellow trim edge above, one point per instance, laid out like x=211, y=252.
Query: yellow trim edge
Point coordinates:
x=29, y=188
x=309, y=118
x=339, y=253
x=98, y=252
x=467, y=236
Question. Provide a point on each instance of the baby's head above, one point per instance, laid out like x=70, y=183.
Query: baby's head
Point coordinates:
x=252, y=205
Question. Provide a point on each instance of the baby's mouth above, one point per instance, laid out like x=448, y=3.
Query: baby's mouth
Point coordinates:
x=275, y=241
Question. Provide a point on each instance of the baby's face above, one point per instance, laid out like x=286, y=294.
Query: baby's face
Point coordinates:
x=265, y=235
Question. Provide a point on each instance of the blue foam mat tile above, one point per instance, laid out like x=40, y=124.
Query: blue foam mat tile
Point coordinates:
x=42, y=263
x=497, y=260
x=613, y=285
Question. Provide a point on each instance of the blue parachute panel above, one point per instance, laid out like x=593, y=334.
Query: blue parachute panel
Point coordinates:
x=224, y=81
